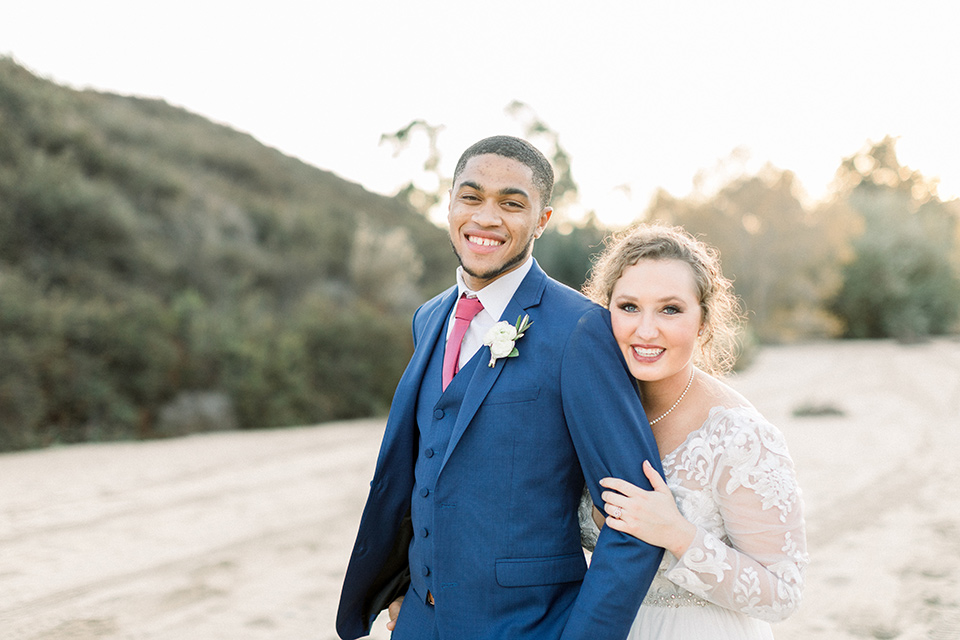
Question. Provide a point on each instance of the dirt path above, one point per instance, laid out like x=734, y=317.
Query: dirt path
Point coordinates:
x=237, y=535
x=246, y=535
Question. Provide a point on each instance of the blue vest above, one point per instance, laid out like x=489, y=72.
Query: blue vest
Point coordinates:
x=436, y=414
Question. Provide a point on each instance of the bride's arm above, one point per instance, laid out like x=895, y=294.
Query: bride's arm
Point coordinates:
x=758, y=569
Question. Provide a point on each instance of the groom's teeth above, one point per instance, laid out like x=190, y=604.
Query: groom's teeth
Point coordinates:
x=647, y=353
x=485, y=242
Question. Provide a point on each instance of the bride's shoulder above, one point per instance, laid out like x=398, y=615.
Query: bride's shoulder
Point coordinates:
x=731, y=414
x=720, y=395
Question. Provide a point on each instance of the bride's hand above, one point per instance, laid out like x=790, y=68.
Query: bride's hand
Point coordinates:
x=651, y=516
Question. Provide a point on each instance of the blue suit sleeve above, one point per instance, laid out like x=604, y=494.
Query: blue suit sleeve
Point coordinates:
x=612, y=438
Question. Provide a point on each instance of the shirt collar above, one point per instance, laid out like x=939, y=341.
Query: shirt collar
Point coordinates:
x=497, y=295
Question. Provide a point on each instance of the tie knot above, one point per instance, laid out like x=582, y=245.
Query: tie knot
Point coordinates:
x=468, y=307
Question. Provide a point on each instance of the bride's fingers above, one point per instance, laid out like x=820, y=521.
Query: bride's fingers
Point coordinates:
x=610, y=501
x=621, y=486
x=656, y=480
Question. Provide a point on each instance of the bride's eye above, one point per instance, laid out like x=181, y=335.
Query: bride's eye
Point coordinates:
x=629, y=307
x=671, y=310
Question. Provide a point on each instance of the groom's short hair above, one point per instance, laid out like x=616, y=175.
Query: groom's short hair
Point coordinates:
x=515, y=149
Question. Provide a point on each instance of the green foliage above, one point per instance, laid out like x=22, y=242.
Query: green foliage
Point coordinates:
x=903, y=281
x=147, y=253
x=878, y=259
x=566, y=251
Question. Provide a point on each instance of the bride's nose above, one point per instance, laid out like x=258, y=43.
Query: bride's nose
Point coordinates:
x=646, y=326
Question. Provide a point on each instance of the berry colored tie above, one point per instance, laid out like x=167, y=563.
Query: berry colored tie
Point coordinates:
x=467, y=308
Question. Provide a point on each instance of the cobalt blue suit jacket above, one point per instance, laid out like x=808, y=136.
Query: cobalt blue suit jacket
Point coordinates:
x=506, y=556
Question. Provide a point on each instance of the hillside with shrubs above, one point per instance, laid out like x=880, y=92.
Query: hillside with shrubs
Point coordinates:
x=161, y=274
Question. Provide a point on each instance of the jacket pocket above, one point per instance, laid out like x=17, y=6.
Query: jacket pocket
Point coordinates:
x=528, y=572
x=505, y=396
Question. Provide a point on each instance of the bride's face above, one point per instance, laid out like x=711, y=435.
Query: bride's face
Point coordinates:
x=656, y=316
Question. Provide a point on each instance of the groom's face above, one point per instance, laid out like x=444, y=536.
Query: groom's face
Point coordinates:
x=495, y=214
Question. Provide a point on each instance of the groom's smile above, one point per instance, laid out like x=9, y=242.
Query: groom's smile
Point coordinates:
x=495, y=214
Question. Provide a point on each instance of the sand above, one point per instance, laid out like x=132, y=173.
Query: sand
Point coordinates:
x=246, y=535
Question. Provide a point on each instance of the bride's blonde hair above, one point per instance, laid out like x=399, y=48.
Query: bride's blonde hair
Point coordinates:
x=721, y=310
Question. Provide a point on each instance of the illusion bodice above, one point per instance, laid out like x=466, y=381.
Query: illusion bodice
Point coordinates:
x=733, y=478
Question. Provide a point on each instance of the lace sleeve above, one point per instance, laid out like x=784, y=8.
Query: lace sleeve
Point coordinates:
x=757, y=566
x=589, y=532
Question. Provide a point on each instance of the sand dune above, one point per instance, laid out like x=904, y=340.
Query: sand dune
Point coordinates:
x=246, y=535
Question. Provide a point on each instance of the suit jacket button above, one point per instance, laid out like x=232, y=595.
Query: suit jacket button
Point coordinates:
x=424, y=492
x=424, y=533
x=428, y=453
x=426, y=570
x=438, y=414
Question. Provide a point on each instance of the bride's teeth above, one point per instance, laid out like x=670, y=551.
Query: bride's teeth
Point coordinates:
x=647, y=353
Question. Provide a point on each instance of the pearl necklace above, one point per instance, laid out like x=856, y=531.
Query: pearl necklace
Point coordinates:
x=689, y=382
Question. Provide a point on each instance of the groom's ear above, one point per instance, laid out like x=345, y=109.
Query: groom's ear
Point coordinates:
x=545, y=215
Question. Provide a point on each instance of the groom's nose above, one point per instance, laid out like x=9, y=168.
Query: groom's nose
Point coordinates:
x=487, y=214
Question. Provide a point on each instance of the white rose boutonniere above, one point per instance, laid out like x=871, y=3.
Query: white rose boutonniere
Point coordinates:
x=502, y=338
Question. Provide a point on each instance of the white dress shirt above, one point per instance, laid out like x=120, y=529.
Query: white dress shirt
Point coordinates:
x=494, y=297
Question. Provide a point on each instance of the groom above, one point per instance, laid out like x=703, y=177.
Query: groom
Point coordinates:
x=472, y=512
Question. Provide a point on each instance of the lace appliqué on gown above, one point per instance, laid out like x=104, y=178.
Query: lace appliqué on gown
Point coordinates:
x=734, y=479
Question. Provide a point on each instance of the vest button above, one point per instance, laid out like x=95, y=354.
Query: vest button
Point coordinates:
x=424, y=533
x=428, y=453
x=425, y=571
x=424, y=492
x=438, y=414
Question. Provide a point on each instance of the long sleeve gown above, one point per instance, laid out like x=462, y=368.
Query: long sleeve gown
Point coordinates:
x=734, y=479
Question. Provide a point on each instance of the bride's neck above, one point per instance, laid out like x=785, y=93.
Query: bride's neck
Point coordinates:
x=659, y=395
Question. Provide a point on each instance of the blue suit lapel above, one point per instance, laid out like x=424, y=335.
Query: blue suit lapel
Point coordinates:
x=528, y=295
x=434, y=323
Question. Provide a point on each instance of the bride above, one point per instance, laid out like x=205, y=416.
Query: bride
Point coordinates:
x=728, y=511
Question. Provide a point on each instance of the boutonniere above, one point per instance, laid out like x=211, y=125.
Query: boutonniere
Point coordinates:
x=502, y=338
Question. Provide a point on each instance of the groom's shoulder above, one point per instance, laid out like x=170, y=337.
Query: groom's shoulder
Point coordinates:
x=428, y=308
x=436, y=300
x=557, y=295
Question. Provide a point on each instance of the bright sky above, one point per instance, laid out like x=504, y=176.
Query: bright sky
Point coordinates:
x=643, y=94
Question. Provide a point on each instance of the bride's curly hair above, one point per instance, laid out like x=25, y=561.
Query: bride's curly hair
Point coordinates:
x=722, y=318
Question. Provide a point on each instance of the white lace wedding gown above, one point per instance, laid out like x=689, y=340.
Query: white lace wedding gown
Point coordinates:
x=734, y=479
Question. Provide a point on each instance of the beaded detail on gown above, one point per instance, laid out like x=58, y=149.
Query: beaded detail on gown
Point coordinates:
x=734, y=479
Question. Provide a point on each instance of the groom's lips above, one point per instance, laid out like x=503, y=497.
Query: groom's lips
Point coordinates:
x=484, y=243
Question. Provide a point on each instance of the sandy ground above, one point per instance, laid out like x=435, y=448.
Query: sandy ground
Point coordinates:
x=246, y=535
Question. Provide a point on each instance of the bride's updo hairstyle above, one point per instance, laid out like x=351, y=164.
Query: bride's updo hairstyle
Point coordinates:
x=721, y=310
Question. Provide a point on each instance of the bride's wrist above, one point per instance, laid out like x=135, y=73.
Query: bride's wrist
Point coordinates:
x=685, y=534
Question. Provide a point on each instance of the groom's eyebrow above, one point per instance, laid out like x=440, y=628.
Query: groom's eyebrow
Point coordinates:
x=514, y=191
x=506, y=191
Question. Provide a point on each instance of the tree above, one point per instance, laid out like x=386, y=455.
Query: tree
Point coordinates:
x=903, y=279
